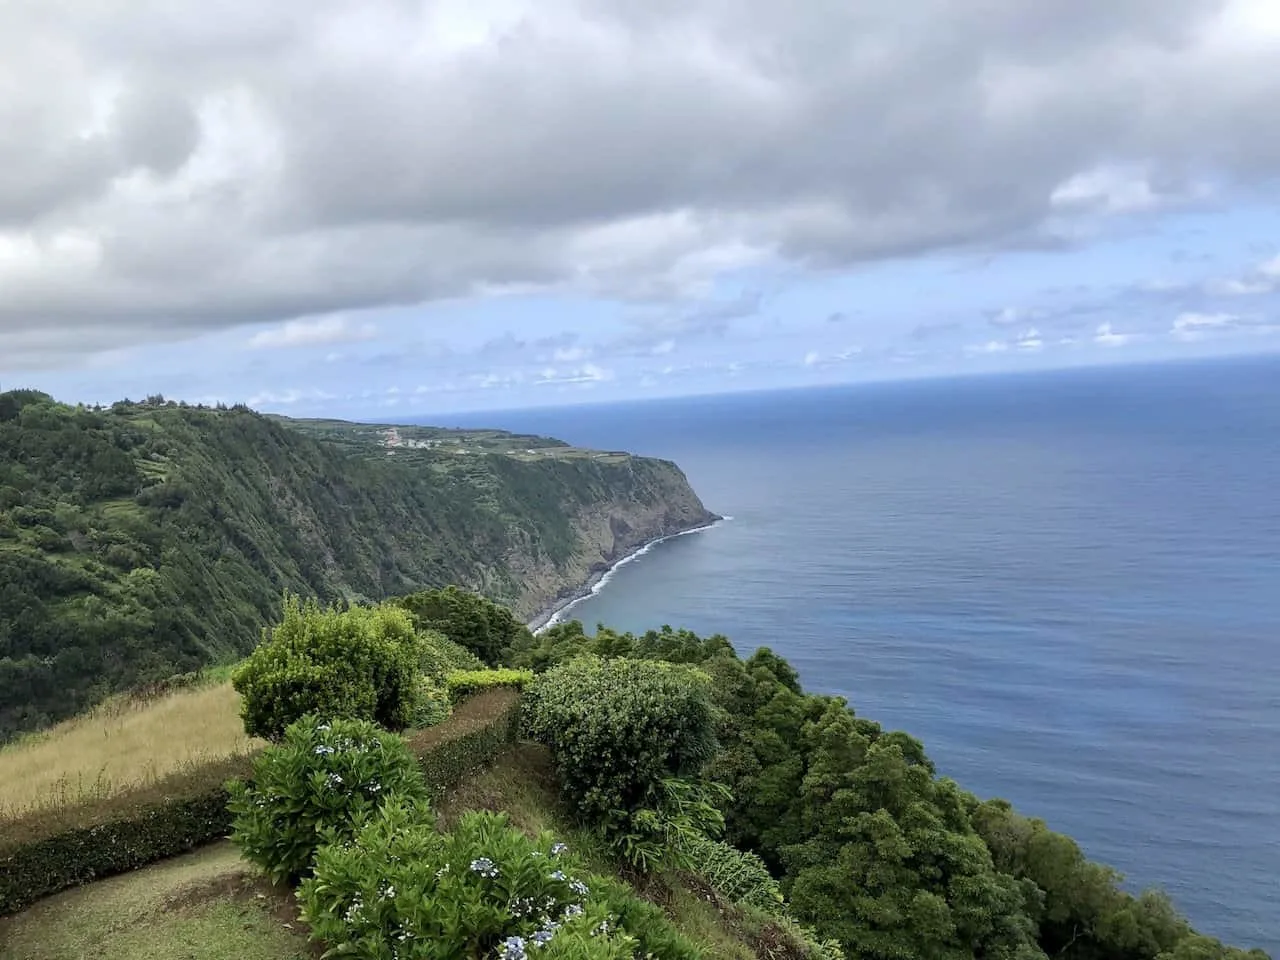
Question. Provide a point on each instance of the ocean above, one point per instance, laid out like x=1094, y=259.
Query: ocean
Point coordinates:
x=1066, y=584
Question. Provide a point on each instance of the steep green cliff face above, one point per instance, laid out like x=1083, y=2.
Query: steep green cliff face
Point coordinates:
x=150, y=538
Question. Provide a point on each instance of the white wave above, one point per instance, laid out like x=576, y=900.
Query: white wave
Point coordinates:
x=561, y=614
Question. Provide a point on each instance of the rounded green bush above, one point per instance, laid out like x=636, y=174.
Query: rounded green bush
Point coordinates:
x=320, y=783
x=361, y=662
x=620, y=729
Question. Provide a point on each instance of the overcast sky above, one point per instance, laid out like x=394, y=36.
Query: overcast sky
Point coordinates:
x=384, y=207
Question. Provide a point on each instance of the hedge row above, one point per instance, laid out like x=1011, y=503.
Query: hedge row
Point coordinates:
x=47, y=851
x=465, y=684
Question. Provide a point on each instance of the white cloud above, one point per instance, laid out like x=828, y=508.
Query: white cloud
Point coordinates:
x=310, y=333
x=1013, y=316
x=1201, y=321
x=1235, y=287
x=588, y=373
x=663, y=347
x=1107, y=336
x=169, y=177
x=1107, y=189
x=1190, y=327
x=991, y=346
x=570, y=354
x=285, y=398
x=812, y=358
x=1030, y=339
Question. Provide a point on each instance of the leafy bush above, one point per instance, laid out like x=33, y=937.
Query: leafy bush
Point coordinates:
x=325, y=776
x=736, y=875
x=360, y=663
x=483, y=890
x=479, y=625
x=623, y=735
x=467, y=683
x=431, y=704
x=438, y=656
x=684, y=813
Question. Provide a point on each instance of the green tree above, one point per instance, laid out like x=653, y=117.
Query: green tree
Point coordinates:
x=473, y=622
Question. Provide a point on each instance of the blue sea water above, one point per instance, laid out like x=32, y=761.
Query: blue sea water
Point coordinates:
x=1066, y=584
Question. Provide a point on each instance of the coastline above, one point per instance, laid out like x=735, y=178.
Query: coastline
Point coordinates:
x=555, y=612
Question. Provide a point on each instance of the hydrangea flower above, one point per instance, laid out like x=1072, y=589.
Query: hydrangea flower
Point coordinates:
x=541, y=938
x=512, y=949
x=559, y=848
x=485, y=867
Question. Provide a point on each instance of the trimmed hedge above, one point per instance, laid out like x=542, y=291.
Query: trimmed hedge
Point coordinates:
x=469, y=740
x=46, y=851
x=465, y=684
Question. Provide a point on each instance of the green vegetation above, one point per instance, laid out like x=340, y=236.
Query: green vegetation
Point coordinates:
x=478, y=890
x=150, y=539
x=624, y=735
x=870, y=847
x=478, y=625
x=465, y=684
x=208, y=905
x=140, y=543
x=47, y=850
x=324, y=779
x=361, y=662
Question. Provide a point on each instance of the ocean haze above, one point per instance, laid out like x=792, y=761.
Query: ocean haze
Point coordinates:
x=1065, y=584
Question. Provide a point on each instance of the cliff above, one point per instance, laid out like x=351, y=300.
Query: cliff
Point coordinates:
x=151, y=538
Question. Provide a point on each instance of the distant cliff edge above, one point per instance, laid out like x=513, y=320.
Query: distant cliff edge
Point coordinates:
x=147, y=539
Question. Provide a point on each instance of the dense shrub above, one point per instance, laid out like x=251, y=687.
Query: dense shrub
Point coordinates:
x=738, y=876
x=465, y=684
x=438, y=656
x=326, y=775
x=477, y=624
x=624, y=736
x=483, y=890
x=431, y=704
x=360, y=663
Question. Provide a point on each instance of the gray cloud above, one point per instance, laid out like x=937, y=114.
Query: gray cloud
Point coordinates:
x=172, y=171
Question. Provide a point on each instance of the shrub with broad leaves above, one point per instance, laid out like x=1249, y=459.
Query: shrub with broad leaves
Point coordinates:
x=402, y=890
x=629, y=739
x=360, y=662
x=323, y=780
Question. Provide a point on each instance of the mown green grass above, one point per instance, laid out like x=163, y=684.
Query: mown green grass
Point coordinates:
x=207, y=905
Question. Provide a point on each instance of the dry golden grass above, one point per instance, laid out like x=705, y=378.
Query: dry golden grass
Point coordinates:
x=120, y=745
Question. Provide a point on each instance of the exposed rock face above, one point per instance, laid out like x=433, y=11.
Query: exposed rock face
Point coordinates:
x=647, y=500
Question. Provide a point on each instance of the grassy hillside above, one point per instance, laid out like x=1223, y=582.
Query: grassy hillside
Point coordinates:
x=211, y=904
x=149, y=539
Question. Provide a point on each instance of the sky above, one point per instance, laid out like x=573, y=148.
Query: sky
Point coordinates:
x=381, y=208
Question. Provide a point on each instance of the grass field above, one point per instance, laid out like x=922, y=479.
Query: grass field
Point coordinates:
x=207, y=905
x=119, y=745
